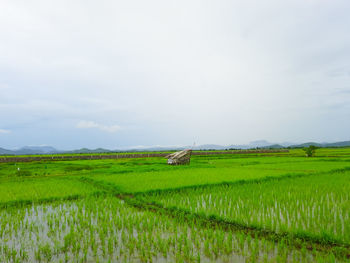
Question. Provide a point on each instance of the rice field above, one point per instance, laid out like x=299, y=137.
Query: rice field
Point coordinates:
x=104, y=229
x=281, y=207
x=19, y=191
x=316, y=205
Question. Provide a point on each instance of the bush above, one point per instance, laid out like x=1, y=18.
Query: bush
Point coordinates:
x=310, y=151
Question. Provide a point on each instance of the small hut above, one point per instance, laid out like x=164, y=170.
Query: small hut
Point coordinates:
x=178, y=158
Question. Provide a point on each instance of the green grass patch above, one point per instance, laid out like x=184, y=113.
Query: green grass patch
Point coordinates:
x=43, y=188
x=139, y=182
x=315, y=206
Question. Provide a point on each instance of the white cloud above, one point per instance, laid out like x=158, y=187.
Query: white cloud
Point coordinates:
x=94, y=125
x=4, y=131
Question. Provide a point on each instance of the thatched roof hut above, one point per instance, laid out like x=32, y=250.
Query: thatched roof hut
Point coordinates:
x=177, y=158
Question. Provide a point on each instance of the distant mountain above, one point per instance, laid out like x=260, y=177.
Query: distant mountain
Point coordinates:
x=29, y=150
x=262, y=144
x=338, y=144
x=209, y=147
x=252, y=145
x=306, y=144
x=286, y=144
x=273, y=146
x=259, y=143
x=38, y=149
x=332, y=144
x=86, y=150
x=156, y=149
x=5, y=151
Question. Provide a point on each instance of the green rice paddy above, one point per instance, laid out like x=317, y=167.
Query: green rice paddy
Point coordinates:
x=280, y=207
x=315, y=205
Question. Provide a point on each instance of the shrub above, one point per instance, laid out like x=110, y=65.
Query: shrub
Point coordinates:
x=310, y=151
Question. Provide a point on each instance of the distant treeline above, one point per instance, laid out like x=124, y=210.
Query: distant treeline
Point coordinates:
x=120, y=156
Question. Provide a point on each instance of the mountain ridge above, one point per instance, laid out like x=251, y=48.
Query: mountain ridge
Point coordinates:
x=261, y=144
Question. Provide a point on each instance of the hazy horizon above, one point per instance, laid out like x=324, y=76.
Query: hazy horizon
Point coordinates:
x=116, y=74
x=253, y=144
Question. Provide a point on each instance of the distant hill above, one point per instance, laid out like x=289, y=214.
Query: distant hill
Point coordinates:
x=36, y=149
x=272, y=146
x=261, y=144
x=86, y=150
x=154, y=149
x=252, y=145
x=29, y=150
x=338, y=144
x=332, y=144
x=209, y=147
x=5, y=151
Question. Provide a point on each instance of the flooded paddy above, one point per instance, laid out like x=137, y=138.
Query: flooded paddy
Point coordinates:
x=315, y=205
x=105, y=229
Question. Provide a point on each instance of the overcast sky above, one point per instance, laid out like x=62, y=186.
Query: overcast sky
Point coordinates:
x=124, y=73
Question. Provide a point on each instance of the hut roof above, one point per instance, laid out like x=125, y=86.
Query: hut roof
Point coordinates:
x=178, y=155
x=181, y=157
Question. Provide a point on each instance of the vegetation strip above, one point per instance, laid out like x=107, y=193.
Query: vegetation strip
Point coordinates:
x=339, y=249
x=297, y=241
x=120, y=156
x=224, y=183
x=23, y=203
x=315, y=205
x=238, y=182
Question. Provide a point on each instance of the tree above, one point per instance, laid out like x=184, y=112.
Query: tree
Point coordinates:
x=310, y=151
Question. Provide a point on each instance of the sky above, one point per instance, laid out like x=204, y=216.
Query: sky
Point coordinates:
x=118, y=74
